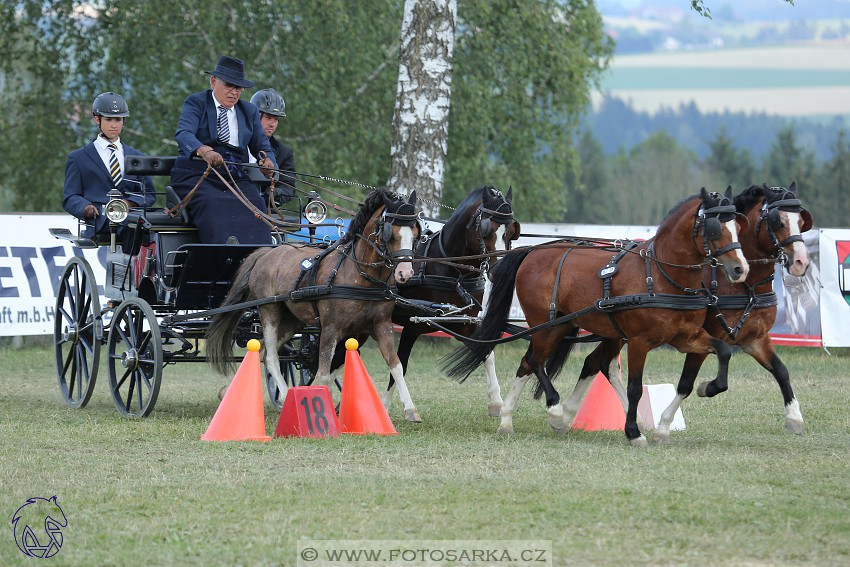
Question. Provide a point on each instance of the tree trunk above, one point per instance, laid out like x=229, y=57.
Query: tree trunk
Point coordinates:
x=421, y=117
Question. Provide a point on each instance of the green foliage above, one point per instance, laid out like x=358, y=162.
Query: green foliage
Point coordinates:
x=514, y=110
x=727, y=162
x=522, y=76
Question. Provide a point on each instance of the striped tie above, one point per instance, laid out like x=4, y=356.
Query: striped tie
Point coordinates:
x=223, y=127
x=114, y=168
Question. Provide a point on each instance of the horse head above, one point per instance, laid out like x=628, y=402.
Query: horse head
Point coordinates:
x=718, y=223
x=786, y=220
x=398, y=230
x=493, y=225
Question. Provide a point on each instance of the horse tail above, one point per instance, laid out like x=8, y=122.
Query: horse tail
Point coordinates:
x=460, y=363
x=556, y=360
x=219, y=334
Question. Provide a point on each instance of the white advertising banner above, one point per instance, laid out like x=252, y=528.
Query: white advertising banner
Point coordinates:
x=31, y=264
x=835, y=286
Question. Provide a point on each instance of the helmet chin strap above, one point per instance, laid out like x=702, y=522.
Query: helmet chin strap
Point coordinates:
x=100, y=129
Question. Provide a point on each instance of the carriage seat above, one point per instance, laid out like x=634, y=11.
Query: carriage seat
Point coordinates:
x=158, y=165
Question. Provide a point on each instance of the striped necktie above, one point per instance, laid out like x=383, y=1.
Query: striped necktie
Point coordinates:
x=114, y=168
x=223, y=127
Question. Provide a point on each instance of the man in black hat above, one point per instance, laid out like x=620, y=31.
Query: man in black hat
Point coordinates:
x=216, y=127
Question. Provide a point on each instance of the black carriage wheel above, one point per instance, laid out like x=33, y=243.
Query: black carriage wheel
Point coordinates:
x=135, y=358
x=77, y=332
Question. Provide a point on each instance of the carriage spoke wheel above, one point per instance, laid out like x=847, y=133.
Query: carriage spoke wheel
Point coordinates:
x=135, y=358
x=77, y=332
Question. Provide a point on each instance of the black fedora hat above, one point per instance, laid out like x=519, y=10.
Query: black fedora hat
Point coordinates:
x=231, y=70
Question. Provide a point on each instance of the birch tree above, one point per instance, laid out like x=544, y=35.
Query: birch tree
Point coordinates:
x=421, y=118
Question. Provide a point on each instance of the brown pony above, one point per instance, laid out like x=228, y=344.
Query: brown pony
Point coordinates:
x=648, y=295
x=744, y=312
x=344, y=290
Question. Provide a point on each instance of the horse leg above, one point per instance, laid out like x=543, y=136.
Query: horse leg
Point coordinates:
x=693, y=362
x=270, y=319
x=765, y=355
x=637, y=359
x=494, y=393
x=405, y=346
x=386, y=344
x=506, y=424
x=719, y=384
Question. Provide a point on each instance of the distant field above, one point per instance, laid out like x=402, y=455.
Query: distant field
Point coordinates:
x=799, y=80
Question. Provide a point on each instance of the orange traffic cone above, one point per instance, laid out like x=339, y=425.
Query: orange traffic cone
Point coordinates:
x=240, y=415
x=601, y=408
x=360, y=409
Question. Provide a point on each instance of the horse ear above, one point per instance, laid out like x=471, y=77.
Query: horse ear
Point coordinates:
x=807, y=220
x=793, y=187
x=703, y=194
x=386, y=198
x=728, y=192
x=510, y=194
x=412, y=199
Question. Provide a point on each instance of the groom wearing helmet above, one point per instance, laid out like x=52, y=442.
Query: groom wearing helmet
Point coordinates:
x=272, y=109
x=96, y=168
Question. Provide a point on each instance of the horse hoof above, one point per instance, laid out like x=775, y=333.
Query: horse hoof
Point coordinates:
x=702, y=390
x=222, y=392
x=639, y=442
x=661, y=438
x=412, y=415
x=795, y=427
x=494, y=410
x=505, y=429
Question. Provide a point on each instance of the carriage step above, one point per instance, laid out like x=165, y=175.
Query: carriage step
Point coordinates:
x=65, y=234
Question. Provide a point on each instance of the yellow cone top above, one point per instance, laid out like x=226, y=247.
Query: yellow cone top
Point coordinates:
x=253, y=345
x=352, y=344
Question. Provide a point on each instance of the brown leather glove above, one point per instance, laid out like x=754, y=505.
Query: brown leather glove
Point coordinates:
x=90, y=211
x=210, y=156
x=265, y=168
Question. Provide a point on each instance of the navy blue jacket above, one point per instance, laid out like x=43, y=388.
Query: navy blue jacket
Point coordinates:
x=198, y=126
x=87, y=181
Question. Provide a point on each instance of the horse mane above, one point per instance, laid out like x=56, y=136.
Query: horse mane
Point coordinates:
x=676, y=207
x=372, y=203
x=749, y=197
x=475, y=197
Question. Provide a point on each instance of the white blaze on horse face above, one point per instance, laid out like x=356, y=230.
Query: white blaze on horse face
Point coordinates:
x=799, y=261
x=733, y=232
x=404, y=270
x=500, y=245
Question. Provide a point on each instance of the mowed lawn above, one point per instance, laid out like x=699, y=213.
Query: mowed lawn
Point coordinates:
x=735, y=488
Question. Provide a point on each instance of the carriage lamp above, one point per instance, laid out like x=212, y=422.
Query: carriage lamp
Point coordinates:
x=316, y=211
x=116, y=210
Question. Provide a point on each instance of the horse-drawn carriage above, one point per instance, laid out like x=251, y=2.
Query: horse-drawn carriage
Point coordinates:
x=159, y=295
x=164, y=297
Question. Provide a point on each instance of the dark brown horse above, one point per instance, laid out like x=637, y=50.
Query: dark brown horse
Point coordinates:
x=744, y=312
x=648, y=295
x=481, y=224
x=344, y=290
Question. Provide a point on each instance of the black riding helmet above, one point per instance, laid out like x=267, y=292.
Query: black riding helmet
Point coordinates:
x=110, y=104
x=270, y=102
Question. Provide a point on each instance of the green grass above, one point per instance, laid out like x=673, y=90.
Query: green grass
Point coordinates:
x=735, y=488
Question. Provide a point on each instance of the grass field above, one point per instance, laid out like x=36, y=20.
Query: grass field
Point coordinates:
x=735, y=488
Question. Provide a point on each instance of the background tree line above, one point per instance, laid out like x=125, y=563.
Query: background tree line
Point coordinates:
x=523, y=73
